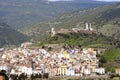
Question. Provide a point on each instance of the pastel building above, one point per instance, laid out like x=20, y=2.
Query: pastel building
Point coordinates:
x=70, y=71
x=63, y=70
x=100, y=70
x=117, y=71
x=22, y=69
x=87, y=71
x=5, y=67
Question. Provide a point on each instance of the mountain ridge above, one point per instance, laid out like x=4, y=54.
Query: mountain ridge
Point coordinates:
x=9, y=36
x=104, y=19
x=26, y=13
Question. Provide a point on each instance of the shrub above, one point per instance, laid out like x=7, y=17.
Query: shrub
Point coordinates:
x=45, y=75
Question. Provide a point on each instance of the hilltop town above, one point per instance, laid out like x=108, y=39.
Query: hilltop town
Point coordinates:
x=55, y=60
x=59, y=40
x=62, y=62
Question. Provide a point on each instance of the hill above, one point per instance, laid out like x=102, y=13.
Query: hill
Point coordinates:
x=9, y=36
x=95, y=40
x=105, y=19
x=91, y=39
x=111, y=57
x=25, y=13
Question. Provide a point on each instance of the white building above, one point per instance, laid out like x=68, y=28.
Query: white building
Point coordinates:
x=36, y=71
x=70, y=72
x=4, y=67
x=87, y=71
x=100, y=70
x=24, y=69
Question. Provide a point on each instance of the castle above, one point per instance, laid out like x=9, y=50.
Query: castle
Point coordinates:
x=88, y=28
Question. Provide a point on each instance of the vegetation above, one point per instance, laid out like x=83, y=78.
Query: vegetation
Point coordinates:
x=3, y=73
x=111, y=57
x=112, y=54
x=104, y=19
x=26, y=77
x=82, y=39
x=25, y=13
x=9, y=36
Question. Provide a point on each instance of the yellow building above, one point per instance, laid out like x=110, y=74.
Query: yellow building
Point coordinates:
x=117, y=71
x=59, y=71
x=66, y=55
x=47, y=70
x=63, y=70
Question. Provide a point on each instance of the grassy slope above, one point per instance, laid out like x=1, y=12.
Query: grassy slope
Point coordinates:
x=112, y=54
x=83, y=39
x=112, y=58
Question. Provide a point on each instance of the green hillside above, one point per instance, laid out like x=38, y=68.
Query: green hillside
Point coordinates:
x=105, y=19
x=25, y=13
x=110, y=57
x=8, y=36
x=95, y=40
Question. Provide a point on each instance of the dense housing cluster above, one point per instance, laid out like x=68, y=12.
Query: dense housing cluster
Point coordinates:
x=62, y=62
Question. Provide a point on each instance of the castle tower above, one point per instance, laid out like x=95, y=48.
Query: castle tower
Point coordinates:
x=86, y=26
x=90, y=27
x=52, y=31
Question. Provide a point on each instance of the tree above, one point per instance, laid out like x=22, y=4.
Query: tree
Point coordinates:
x=102, y=60
x=39, y=76
x=3, y=72
x=22, y=76
x=32, y=76
x=45, y=75
x=13, y=77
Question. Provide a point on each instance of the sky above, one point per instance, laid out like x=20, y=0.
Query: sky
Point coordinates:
x=108, y=0
x=94, y=0
x=60, y=0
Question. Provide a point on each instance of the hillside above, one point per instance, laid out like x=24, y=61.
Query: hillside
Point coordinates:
x=95, y=40
x=105, y=19
x=110, y=57
x=8, y=36
x=25, y=13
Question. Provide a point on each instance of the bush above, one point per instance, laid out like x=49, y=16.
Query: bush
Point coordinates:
x=103, y=60
x=39, y=76
x=114, y=75
x=22, y=76
x=45, y=75
x=3, y=72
